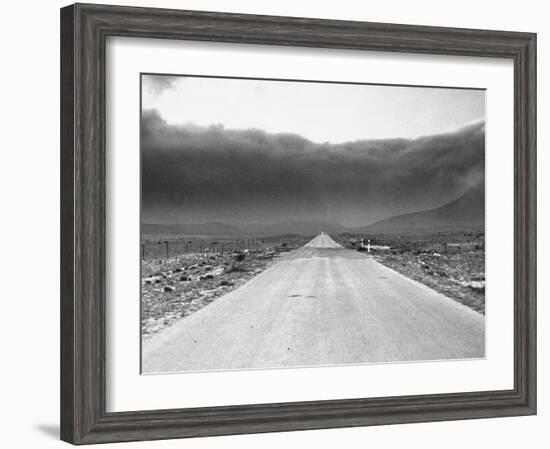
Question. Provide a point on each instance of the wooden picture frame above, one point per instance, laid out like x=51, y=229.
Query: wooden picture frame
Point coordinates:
x=84, y=29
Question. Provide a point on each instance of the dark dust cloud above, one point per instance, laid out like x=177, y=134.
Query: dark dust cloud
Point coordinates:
x=193, y=174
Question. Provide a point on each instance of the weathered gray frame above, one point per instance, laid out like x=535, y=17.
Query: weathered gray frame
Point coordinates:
x=84, y=29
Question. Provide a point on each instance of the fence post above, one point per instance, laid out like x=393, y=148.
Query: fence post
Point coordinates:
x=167, y=250
x=143, y=250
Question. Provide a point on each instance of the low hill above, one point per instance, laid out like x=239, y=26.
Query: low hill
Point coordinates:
x=466, y=212
x=210, y=228
x=215, y=228
x=303, y=227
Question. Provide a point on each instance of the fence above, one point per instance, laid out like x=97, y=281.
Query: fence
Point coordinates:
x=164, y=249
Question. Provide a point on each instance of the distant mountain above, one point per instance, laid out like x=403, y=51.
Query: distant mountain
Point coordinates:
x=466, y=212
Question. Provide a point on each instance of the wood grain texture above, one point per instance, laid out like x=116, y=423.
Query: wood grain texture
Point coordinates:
x=84, y=29
x=67, y=224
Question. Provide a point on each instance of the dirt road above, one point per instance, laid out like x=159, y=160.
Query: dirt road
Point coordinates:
x=319, y=305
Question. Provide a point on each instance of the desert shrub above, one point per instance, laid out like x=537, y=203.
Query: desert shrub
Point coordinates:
x=239, y=257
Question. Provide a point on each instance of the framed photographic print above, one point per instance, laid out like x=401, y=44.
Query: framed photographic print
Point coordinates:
x=268, y=223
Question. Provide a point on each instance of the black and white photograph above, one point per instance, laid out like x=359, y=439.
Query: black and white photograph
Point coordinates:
x=275, y=224
x=293, y=223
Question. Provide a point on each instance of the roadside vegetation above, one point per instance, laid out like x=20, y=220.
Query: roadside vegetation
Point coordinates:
x=452, y=263
x=175, y=287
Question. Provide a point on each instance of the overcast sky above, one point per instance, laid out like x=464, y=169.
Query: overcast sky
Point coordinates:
x=320, y=112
